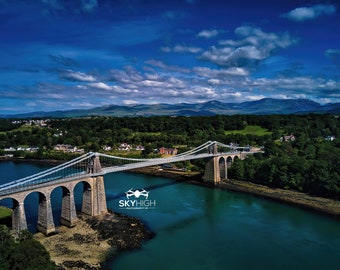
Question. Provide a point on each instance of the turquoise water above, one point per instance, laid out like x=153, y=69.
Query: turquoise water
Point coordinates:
x=202, y=228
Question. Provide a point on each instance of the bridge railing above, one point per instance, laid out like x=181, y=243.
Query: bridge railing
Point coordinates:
x=70, y=168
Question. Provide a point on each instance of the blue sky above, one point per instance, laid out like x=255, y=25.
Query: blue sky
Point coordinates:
x=79, y=54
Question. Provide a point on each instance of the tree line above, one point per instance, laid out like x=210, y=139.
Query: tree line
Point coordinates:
x=312, y=169
x=310, y=163
x=92, y=133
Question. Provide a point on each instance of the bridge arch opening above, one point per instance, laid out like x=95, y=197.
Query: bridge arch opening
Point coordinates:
x=31, y=205
x=57, y=203
x=229, y=161
x=222, y=167
x=38, y=208
x=83, y=197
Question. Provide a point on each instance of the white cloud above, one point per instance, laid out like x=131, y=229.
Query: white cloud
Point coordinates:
x=256, y=37
x=181, y=49
x=76, y=76
x=208, y=33
x=162, y=65
x=309, y=13
x=221, y=73
x=100, y=85
x=129, y=102
x=214, y=81
x=255, y=97
x=151, y=83
x=254, y=45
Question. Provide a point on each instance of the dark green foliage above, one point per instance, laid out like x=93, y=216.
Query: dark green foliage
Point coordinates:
x=312, y=168
x=309, y=164
x=23, y=252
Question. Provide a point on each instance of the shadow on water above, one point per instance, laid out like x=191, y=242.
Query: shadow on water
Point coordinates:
x=110, y=197
x=182, y=223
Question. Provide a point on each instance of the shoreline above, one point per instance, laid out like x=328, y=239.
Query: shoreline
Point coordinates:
x=94, y=241
x=319, y=205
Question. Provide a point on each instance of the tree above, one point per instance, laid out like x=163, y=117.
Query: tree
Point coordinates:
x=148, y=149
x=6, y=247
x=22, y=253
x=237, y=170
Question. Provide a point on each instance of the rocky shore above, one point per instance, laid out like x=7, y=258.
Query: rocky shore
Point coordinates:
x=94, y=240
x=318, y=204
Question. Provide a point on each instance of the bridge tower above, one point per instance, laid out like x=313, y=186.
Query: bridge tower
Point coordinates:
x=94, y=199
x=213, y=169
x=216, y=168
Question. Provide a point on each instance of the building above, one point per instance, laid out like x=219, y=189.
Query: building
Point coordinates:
x=124, y=147
x=66, y=148
x=167, y=151
x=140, y=148
x=330, y=138
x=288, y=138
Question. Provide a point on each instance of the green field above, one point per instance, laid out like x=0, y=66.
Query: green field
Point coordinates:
x=252, y=130
x=21, y=129
x=5, y=212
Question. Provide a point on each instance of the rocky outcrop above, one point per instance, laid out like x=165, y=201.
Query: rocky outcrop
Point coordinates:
x=124, y=233
x=94, y=240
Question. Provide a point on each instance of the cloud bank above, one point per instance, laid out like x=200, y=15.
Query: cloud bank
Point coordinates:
x=301, y=14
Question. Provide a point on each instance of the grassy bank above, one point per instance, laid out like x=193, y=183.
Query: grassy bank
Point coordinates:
x=5, y=212
x=250, y=130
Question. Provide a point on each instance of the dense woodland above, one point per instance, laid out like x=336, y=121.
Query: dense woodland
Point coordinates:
x=23, y=252
x=310, y=163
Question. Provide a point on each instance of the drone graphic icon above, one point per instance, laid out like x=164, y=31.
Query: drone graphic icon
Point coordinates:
x=137, y=193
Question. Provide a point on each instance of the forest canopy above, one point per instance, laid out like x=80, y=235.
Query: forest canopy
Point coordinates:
x=301, y=152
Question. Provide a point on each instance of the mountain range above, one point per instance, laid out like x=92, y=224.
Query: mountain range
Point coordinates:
x=259, y=107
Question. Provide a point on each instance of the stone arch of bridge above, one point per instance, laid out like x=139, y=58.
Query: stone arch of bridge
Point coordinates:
x=91, y=204
x=63, y=202
x=18, y=214
x=45, y=222
x=86, y=188
x=222, y=164
x=229, y=160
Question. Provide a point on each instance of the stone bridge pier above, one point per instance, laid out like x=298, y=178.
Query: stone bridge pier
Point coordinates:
x=216, y=168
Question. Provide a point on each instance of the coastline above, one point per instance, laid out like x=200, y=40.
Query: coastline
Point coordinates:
x=94, y=241
x=50, y=162
x=319, y=205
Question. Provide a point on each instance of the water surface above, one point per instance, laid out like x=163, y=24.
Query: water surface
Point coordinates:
x=203, y=228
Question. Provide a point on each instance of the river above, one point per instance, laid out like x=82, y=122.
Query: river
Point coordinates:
x=203, y=228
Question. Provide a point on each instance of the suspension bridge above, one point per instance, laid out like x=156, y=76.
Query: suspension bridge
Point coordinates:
x=90, y=169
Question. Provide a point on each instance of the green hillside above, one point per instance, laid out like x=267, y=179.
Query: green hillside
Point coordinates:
x=250, y=130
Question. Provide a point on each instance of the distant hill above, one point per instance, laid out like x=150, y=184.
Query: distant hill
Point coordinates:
x=260, y=107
